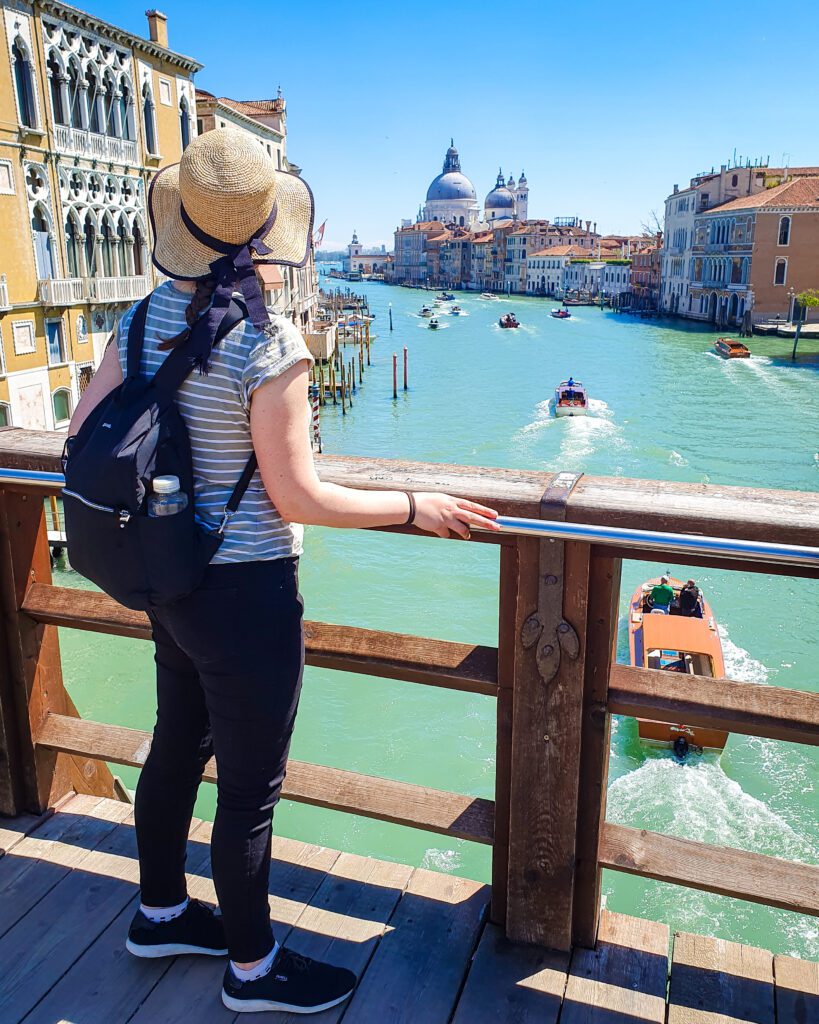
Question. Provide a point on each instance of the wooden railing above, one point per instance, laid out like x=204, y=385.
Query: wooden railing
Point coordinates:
x=552, y=677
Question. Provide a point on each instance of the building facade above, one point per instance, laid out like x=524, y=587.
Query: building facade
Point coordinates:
x=88, y=115
x=362, y=262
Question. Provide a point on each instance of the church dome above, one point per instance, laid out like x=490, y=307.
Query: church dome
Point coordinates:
x=500, y=198
x=452, y=185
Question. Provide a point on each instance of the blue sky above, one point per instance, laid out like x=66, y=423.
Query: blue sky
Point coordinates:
x=604, y=105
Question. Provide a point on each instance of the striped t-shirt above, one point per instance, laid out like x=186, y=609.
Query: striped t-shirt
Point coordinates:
x=216, y=411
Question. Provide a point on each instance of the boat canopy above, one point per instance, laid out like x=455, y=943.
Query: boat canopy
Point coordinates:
x=680, y=634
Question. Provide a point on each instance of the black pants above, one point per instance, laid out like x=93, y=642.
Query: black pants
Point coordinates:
x=229, y=662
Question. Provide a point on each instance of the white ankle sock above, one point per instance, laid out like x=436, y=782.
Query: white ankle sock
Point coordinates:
x=157, y=914
x=259, y=971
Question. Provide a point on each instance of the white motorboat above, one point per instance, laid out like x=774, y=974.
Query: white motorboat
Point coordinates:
x=456, y=311
x=425, y=311
x=434, y=324
x=571, y=398
x=488, y=295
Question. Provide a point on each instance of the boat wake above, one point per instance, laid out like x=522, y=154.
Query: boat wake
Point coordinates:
x=739, y=664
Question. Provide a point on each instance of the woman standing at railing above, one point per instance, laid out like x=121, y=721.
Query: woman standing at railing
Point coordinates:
x=230, y=655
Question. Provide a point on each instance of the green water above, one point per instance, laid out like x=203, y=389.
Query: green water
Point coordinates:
x=663, y=407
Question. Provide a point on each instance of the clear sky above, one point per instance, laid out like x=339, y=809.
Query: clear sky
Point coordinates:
x=604, y=105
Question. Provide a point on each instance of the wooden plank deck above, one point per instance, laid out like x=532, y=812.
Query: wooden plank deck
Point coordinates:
x=419, y=941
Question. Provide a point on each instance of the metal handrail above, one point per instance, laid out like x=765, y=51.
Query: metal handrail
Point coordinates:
x=646, y=540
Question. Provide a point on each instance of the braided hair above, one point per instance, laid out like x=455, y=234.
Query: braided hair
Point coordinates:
x=205, y=287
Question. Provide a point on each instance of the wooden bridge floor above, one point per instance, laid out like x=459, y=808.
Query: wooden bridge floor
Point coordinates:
x=419, y=941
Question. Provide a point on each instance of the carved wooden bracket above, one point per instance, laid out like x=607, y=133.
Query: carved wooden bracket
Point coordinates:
x=546, y=627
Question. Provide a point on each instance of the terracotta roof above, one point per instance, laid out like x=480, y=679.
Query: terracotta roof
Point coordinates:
x=560, y=250
x=799, y=192
x=484, y=237
x=254, y=106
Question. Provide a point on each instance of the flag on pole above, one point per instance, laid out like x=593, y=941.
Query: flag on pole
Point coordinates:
x=318, y=237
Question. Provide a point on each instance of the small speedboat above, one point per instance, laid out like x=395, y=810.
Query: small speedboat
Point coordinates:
x=434, y=323
x=730, y=349
x=560, y=314
x=509, y=320
x=456, y=311
x=571, y=398
x=446, y=297
x=675, y=642
x=425, y=311
x=488, y=295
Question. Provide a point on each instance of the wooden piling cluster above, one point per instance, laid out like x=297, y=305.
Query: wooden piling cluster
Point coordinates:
x=552, y=677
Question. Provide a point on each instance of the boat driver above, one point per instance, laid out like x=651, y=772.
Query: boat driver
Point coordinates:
x=661, y=597
x=691, y=600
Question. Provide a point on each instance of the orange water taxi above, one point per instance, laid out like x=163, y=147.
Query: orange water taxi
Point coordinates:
x=730, y=349
x=675, y=642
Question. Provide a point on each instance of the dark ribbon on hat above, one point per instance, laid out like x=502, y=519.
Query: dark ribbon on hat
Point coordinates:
x=232, y=270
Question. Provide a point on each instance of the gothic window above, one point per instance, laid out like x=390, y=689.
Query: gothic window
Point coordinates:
x=126, y=111
x=780, y=271
x=139, y=251
x=110, y=104
x=74, y=96
x=110, y=190
x=734, y=180
x=55, y=74
x=24, y=84
x=94, y=100
x=107, y=250
x=90, y=232
x=185, y=124
x=73, y=243
x=149, y=118
x=43, y=252
x=122, y=234
x=784, y=230
x=127, y=192
x=94, y=187
x=75, y=185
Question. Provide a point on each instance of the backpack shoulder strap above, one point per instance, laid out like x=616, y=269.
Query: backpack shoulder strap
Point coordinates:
x=239, y=490
x=136, y=337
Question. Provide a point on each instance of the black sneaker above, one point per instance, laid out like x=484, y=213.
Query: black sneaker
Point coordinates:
x=198, y=929
x=294, y=983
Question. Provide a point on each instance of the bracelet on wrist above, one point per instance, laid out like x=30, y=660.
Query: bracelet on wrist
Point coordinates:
x=412, y=509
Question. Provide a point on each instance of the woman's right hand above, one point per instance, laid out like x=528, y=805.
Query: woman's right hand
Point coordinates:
x=442, y=515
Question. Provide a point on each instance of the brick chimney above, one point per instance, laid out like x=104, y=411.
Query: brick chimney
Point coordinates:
x=158, y=27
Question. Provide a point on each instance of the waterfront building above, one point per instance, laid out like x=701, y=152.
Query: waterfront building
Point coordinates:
x=608, y=276
x=455, y=259
x=646, y=269
x=480, y=274
x=88, y=114
x=360, y=262
x=546, y=269
x=410, y=258
x=534, y=235
x=705, y=191
x=290, y=291
x=755, y=253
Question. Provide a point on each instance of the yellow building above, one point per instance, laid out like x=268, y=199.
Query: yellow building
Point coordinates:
x=88, y=114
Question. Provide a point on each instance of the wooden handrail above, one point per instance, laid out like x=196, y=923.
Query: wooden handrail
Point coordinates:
x=469, y=667
x=771, y=712
x=433, y=810
x=720, y=869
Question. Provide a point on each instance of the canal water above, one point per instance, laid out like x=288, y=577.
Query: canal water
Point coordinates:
x=662, y=406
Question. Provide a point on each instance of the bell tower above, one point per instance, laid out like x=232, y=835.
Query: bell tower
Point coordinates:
x=521, y=194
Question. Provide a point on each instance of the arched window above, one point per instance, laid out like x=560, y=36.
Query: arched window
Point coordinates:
x=61, y=403
x=74, y=96
x=107, y=250
x=780, y=271
x=122, y=234
x=94, y=97
x=24, y=84
x=185, y=124
x=90, y=232
x=42, y=244
x=126, y=111
x=784, y=230
x=55, y=74
x=734, y=180
x=73, y=245
x=109, y=104
x=150, y=121
x=139, y=251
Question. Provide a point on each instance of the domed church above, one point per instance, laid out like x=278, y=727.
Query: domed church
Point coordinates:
x=451, y=197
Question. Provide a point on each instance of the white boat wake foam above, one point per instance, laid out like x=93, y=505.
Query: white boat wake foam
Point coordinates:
x=739, y=664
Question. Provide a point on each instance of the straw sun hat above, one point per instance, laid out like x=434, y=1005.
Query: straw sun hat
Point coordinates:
x=224, y=194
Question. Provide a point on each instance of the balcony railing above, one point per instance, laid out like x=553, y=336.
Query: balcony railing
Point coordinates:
x=72, y=291
x=80, y=142
x=552, y=675
x=62, y=291
x=4, y=293
x=118, y=289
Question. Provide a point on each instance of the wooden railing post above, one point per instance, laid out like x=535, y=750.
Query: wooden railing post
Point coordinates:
x=601, y=639
x=32, y=677
x=547, y=698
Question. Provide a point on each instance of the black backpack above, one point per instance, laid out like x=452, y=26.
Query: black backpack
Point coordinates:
x=135, y=434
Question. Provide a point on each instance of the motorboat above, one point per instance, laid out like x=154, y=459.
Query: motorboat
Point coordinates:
x=488, y=295
x=434, y=323
x=446, y=297
x=456, y=311
x=730, y=349
x=560, y=314
x=425, y=311
x=675, y=642
x=509, y=320
x=571, y=398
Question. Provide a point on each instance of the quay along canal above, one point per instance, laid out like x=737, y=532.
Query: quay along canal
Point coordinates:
x=662, y=406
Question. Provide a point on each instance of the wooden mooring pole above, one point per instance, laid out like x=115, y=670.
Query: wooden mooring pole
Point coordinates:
x=395, y=375
x=405, y=367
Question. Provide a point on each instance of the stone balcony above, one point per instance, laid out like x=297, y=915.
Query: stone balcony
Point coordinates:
x=72, y=291
x=81, y=142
